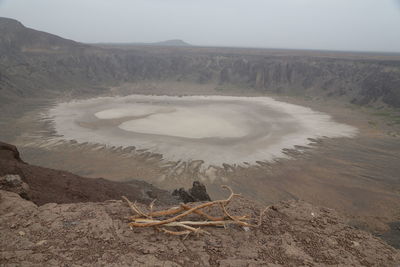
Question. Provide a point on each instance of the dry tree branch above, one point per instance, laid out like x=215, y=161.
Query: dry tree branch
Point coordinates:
x=183, y=207
x=194, y=223
x=233, y=218
x=161, y=213
x=261, y=216
x=186, y=213
x=202, y=213
x=151, y=207
x=187, y=232
x=134, y=208
x=152, y=219
x=212, y=218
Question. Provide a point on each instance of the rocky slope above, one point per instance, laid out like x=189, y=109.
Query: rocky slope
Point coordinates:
x=54, y=186
x=34, y=63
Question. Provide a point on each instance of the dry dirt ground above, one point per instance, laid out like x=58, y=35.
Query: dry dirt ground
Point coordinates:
x=292, y=233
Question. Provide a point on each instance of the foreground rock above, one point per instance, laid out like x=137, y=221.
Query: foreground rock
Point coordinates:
x=85, y=234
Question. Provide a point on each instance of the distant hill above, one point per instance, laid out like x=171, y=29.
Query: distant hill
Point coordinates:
x=171, y=43
x=175, y=42
x=15, y=37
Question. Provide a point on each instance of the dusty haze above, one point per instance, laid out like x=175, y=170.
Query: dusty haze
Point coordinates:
x=357, y=25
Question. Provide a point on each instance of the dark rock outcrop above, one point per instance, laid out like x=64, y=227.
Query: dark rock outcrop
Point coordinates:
x=9, y=152
x=198, y=192
x=54, y=186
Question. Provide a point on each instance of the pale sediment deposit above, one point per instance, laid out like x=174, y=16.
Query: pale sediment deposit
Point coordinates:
x=215, y=129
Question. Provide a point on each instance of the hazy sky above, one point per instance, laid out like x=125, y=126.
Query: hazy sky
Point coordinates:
x=372, y=25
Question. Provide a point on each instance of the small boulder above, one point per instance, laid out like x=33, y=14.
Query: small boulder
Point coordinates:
x=14, y=183
x=198, y=192
x=183, y=195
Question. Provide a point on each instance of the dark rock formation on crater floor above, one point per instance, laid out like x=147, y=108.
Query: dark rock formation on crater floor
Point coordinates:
x=198, y=192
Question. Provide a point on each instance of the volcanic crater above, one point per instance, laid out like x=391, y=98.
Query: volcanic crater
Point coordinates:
x=213, y=129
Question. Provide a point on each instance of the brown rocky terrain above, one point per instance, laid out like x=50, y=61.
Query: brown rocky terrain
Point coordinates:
x=292, y=233
x=86, y=230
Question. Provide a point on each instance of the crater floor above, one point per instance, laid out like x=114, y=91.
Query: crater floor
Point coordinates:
x=214, y=129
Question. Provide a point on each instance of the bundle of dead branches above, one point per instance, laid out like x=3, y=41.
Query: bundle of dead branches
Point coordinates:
x=171, y=221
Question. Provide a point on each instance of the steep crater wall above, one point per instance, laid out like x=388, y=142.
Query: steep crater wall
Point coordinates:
x=47, y=63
